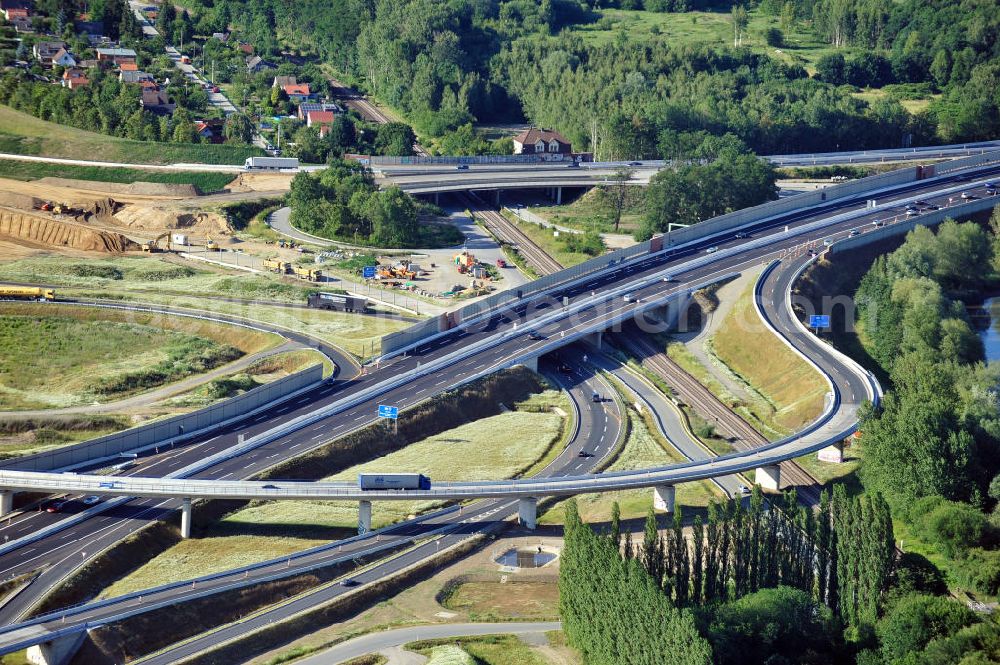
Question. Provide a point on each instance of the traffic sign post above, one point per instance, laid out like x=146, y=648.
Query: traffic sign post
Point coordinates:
x=819, y=321
x=390, y=413
x=368, y=272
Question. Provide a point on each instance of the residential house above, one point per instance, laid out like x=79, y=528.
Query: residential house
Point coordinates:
x=211, y=129
x=12, y=9
x=282, y=81
x=64, y=58
x=128, y=67
x=536, y=141
x=74, y=78
x=22, y=25
x=45, y=51
x=255, y=64
x=156, y=101
x=115, y=56
x=221, y=36
x=306, y=107
x=134, y=76
x=245, y=49
x=298, y=92
x=321, y=120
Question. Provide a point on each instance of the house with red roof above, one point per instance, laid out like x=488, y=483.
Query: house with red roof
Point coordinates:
x=298, y=92
x=536, y=141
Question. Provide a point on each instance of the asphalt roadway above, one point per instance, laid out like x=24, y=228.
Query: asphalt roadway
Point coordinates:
x=62, y=552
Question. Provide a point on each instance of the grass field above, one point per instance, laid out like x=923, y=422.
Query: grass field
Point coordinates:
x=802, y=46
x=642, y=449
x=524, y=600
x=591, y=211
x=543, y=238
x=266, y=530
x=791, y=392
x=480, y=650
x=153, y=274
x=27, y=135
x=25, y=437
x=20, y=170
x=68, y=356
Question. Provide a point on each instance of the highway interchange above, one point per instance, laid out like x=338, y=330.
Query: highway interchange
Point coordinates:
x=593, y=313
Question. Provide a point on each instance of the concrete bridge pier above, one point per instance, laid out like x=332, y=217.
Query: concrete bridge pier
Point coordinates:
x=664, y=498
x=6, y=502
x=59, y=651
x=530, y=363
x=558, y=196
x=364, y=517
x=496, y=198
x=437, y=198
x=186, y=518
x=834, y=453
x=769, y=477
x=527, y=512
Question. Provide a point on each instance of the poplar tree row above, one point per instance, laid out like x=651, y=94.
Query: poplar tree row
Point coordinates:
x=843, y=553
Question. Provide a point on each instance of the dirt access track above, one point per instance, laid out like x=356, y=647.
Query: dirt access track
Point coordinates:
x=105, y=217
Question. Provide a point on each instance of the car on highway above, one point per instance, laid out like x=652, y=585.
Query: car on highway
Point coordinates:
x=967, y=195
x=596, y=397
x=989, y=184
x=565, y=369
x=744, y=490
x=270, y=487
x=56, y=506
x=668, y=278
x=630, y=298
x=462, y=167
x=573, y=165
x=920, y=203
x=584, y=454
x=535, y=336
x=741, y=235
x=91, y=500
x=991, y=191
x=348, y=583
x=712, y=250
x=878, y=223
x=853, y=233
x=635, y=163
x=912, y=208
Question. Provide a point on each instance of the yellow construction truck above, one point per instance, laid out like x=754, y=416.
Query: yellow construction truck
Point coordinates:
x=278, y=266
x=308, y=274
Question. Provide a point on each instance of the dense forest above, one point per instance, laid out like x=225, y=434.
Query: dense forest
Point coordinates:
x=445, y=64
x=933, y=445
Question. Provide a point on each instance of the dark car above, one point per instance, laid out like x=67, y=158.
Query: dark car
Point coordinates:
x=348, y=582
x=635, y=163
x=741, y=235
x=56, y=506
x=583, y=453
x=573, y=165
x=920, y=203
x=270, y=487
x=462, y=167
x=535, y=336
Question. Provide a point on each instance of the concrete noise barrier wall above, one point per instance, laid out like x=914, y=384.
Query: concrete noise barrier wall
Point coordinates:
x=162, y=431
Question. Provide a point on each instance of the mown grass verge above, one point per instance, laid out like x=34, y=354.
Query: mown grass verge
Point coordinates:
x=22, y=170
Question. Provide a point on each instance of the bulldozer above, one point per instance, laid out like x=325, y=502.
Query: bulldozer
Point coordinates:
x=212, y=246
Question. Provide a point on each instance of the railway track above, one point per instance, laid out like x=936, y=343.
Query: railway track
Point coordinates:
x=742, y=435
x=352, y=99
x=508, y=233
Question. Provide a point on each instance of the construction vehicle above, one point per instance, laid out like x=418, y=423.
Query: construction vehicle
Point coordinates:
x=27, y=293
x=400, y=270
x=309, y=274
x=278, y=266
x=464, y=260
x=154, y=244
x=343, y=303
x=212, y=246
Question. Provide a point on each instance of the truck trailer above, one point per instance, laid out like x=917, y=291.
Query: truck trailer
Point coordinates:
x=338, y=302
x=11, y=292
x=393, y=481
x=271, y=163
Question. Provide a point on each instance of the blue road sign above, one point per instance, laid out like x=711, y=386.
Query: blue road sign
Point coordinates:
x=386, y=411
x=819, y=321
x=368, y=272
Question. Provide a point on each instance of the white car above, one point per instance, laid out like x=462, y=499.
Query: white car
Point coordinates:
x=711, y=250
x=744, y=490
x=630, y=298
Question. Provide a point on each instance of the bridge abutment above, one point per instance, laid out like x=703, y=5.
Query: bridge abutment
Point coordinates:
x=527, y=512
x=6, y=502
x=59, y=651
x=769, y=477
x=530, y=363
x=664, y=498
x=834, y=453
x=364, y=517
x=186, y=518
x=595, y=339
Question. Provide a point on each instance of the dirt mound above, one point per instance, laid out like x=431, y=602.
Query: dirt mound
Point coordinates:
x=39, y=230
x=14, y=200
x=141, y=188
x=103, y=209
x=260, y=182
x=147, y=218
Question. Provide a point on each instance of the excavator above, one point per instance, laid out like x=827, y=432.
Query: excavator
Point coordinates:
x=154, y=244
